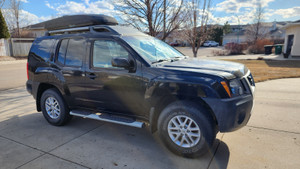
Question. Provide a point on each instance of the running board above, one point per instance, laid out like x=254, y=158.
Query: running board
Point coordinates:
x=108, y=118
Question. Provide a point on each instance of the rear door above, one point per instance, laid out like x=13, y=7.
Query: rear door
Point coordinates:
x=69, y=60
x=114, y=89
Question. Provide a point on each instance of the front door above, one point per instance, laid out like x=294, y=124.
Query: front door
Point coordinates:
x=113, y=89
x=290, y=44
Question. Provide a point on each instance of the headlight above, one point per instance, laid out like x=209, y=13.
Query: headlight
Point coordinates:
x=236, y=88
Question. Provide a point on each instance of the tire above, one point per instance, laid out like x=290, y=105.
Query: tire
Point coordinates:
x=197, y=117
x=54, y=109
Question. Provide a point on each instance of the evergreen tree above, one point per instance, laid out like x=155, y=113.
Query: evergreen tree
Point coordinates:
x=217, y=35
x=3, y=27
x=226, y=28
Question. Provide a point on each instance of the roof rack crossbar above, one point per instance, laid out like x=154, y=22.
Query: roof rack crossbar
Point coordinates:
x=70, y=30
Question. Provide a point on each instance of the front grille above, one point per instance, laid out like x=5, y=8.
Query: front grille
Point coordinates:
x=248, y=83
x=251, y=80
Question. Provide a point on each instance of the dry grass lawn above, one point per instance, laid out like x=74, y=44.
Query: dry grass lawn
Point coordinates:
x=263, y=70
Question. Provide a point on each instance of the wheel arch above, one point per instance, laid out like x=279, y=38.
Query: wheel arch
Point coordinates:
x=41, y=89
x=168, y=99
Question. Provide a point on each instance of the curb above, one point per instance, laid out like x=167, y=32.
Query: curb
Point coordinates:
x=13, y=62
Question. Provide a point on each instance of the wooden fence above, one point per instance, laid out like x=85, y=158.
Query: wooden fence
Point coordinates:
x=15, y=46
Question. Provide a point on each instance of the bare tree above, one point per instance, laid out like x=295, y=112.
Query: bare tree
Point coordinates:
x=256, y=30
x=2, y=3
x=196, y=26
x=15, y=7
x=154, y=16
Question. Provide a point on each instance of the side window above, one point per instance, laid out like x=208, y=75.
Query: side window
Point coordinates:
x=75, y=52
x=42, y=48
x=105, y=50
x=71, y=52
x=62, y=51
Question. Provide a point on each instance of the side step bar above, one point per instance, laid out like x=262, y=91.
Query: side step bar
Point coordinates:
x=108, y=118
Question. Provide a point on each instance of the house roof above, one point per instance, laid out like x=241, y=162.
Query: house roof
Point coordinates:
x=238, y=33
x=295, y=23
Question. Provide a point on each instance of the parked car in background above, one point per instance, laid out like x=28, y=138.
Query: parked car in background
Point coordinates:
x=174, y=44
x=210, y=43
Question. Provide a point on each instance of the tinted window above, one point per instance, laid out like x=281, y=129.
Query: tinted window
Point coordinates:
x=42, y=48
x=75, y=52
x=105, y=50
x=62, y=51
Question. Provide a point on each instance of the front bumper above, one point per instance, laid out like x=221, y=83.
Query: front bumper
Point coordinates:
x=232, y=113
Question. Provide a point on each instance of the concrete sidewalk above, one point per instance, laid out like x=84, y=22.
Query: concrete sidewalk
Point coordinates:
x=271, y=139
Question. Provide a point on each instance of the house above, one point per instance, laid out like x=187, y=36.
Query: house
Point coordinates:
x=292, y=39
x=236, y=37
x=272, y=30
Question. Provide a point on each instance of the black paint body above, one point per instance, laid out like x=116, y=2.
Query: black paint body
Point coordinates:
x=143, y=91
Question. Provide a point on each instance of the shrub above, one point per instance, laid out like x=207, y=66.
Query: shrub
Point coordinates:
x=235, y=48
x=278, y=41
x=220, y=52
x=258, y=46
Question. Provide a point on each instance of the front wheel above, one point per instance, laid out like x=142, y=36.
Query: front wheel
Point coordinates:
x=186, y=129
x=54, y=108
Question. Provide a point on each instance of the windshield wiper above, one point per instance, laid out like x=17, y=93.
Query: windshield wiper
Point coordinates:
x=161, y=60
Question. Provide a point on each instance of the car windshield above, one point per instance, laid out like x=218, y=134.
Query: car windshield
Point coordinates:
x=153, y=49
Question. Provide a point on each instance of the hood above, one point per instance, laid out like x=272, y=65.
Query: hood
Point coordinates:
x=226, y=69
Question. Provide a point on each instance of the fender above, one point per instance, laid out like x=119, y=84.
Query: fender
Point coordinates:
x=164, y=90
x=180, y=85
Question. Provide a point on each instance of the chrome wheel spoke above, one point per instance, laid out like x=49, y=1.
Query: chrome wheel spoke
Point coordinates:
x=179, y=120
x=184, y=131
x=52, y=107
x=193, y=135
x=194, y=129
x=188, y=141
x=181, y=141
x=177, y=137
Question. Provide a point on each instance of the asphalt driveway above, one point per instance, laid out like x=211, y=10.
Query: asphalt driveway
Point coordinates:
x=270, y=140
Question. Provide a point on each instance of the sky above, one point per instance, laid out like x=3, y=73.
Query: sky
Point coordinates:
x=233, y=11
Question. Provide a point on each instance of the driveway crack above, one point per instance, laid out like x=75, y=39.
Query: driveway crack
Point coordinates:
x=264, y=128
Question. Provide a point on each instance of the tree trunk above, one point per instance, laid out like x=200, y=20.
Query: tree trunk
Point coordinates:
x=195, y=53
x=164, y=26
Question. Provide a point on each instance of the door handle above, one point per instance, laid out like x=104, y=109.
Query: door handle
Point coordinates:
x=92, y=75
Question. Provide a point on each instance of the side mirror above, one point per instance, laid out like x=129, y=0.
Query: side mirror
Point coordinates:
x=120, y=62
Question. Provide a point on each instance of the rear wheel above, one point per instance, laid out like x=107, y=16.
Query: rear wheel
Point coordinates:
x=54, y=108
x=186, y=129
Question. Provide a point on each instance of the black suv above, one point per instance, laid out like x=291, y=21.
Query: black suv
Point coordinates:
x=118, y=74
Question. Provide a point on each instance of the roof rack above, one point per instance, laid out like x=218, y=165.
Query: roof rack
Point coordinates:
x=107, y=29
x=92, y=29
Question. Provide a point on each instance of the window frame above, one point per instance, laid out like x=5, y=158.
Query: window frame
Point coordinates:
x=57, y=52
x=91, y=57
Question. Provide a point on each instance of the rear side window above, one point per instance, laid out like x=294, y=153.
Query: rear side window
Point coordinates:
x=71, y=52
x=42, y=48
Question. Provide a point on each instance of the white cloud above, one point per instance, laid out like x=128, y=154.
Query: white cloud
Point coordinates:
x=234, y=6
x=24, y=1
x=26, y=18
x=287, y=13
x=241, y=11
x=85, y=7
x=244, y=18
